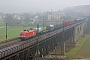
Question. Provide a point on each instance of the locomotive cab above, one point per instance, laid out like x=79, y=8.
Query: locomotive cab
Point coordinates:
x=22, y=36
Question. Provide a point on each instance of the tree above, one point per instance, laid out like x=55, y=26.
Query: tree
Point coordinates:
x=10, y=20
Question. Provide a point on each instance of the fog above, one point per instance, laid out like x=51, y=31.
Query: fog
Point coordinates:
x=38, y=5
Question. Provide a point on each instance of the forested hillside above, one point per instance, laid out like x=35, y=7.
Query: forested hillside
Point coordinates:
x=78, y=11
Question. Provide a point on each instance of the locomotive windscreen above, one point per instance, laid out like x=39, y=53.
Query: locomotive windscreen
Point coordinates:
x=21, y=34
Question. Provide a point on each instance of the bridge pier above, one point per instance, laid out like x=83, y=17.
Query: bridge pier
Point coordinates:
x=62, y=46
x=78, y=33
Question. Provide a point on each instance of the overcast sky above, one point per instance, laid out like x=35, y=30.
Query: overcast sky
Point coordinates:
x=38, y=5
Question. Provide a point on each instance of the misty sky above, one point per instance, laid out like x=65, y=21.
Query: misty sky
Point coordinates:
x=38, y=5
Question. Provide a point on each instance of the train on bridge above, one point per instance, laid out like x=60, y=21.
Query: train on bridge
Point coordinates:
x=26, y=34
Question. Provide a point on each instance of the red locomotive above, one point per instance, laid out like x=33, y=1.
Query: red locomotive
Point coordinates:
x=67, y=23
x=25, y=34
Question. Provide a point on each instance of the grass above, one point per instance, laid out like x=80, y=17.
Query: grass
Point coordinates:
x=84, y=51
x=73, y=51
x=12, y=31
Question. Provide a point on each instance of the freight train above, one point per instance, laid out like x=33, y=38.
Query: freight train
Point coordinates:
x=25, y=34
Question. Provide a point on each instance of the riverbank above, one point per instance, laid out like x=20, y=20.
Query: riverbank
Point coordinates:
x=82, y=50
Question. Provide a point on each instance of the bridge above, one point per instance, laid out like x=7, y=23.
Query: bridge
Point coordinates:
x=42, y=45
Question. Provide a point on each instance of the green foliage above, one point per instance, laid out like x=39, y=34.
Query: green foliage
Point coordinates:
x=10, y=20
x=73, y=51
